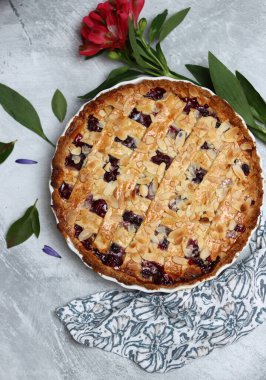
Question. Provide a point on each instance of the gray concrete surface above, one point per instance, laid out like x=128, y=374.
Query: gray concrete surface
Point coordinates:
x=38, y=53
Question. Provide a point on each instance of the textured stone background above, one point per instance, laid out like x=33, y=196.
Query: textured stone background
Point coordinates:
x=38, y=53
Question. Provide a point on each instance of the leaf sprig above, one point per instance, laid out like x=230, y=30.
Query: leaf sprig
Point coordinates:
x=237, y=90
x=143, y=55
x=24, y=227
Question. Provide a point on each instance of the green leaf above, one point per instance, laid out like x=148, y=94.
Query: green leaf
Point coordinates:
x=161, y=56
x=202, y=74
x=227, y=86
x=5, y=150
x=138, y=52
x=35, y=223
x=172, y=23
x=156, y=25
x=24, y=227
x=59, y=105
x=116, y=76
x=254, y=99
x=21, y=110
x=260, y=135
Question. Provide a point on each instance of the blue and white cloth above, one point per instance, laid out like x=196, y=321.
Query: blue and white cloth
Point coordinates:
x=163, y=332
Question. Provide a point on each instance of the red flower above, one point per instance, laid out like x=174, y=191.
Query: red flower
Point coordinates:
x=107, y=26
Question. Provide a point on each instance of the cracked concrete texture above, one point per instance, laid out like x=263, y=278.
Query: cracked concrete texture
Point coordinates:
x=38, y=53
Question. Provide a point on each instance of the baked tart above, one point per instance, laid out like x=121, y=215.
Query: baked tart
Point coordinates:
x=157, y=183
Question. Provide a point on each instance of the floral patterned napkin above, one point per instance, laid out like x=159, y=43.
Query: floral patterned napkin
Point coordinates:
x=163, y=332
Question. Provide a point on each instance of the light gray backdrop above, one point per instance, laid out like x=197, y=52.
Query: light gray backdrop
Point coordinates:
x=38, y=53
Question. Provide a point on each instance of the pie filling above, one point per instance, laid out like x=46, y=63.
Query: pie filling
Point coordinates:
x=158, y=185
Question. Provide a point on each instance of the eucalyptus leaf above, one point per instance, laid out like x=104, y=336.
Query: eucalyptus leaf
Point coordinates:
x=116, y=76
x=23, y=228
x=254, y=99
x=21, y=110
x=227, y=86
x=202, y=74
x=59, y=105
x=5, y=150
x=172, y=22
x=156, y=25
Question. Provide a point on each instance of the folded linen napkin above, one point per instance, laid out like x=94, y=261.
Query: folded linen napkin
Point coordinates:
x=161, y=332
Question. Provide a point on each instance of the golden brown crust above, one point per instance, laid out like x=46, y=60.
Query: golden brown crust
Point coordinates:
x=217, y=211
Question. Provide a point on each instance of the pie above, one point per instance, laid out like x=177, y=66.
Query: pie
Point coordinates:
x=157, y=184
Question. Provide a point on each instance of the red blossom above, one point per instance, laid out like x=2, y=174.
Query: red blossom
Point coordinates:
x=107, y=26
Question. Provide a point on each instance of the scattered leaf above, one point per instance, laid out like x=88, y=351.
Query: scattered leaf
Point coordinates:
x=202, y=74
x=25, y=161
x=227, y=86
x=156, y=25
x=116, y=76
x=21, y=110
x=50, y=251
x=59, y=105
x=254, y=99
x=172, y=22
x=24, y=227
x=5, y=150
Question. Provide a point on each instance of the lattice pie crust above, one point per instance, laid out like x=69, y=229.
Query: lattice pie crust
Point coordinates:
x=157, y=184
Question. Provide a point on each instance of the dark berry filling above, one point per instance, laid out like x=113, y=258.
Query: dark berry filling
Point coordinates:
x=129, y=142
x=78, y=143
x=193, y=103
x=205, y=145
x=163, y=244
x=155, y=93
x=240, y=228
x=163, y=230
x=151, y=191
x=69, y=161
x=94, y=124
x=78, y=229
x=206, y=266
x=173, y=132
x=87, y=244
x=112, y=174
x=203, y=110
x=199, y=174
x=65, y=190
x=98, y=206
x=114, y=258
x=130, y=218
x=246, y=169
x=174, y=203
x=161, y=157
x=155, y=271
x=192, y=250
x=140, y=117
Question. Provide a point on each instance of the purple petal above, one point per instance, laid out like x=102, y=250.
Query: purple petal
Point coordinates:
x=50, y=251
x=25, y=161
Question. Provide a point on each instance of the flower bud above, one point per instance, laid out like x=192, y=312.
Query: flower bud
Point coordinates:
x=114, y=55
x=142, y=25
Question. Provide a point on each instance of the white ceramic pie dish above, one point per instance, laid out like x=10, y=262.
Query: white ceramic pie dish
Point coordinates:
x=138, y=287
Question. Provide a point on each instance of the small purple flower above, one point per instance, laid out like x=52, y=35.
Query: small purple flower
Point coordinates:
x=25, y=161
x=50, y=251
